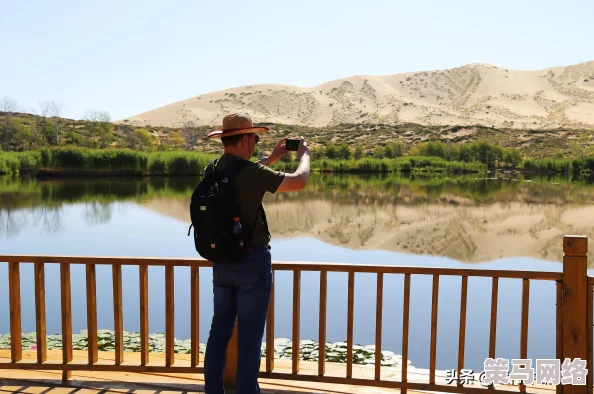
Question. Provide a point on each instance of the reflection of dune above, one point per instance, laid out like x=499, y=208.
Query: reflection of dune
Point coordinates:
x=465, y=233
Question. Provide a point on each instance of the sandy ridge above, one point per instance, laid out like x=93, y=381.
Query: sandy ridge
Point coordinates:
x=468, y=95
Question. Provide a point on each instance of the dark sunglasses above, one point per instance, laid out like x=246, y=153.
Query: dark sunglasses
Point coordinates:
x=257, y=138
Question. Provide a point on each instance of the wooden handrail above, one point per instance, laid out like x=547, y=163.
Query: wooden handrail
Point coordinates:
x=292, y=266
x=574, y=295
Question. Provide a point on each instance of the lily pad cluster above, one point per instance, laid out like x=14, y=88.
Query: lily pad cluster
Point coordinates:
x=335, y=352
x=105, y=342
x=283, y=347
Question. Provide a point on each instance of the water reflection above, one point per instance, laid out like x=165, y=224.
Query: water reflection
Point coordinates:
x=349, y=219
x=467, y=218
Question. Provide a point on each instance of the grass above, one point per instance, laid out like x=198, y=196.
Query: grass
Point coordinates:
x=81, y=161
x=401, y=164
x=103, y=162
x=126, y=162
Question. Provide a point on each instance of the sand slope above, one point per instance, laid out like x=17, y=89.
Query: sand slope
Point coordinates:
x=467, y=95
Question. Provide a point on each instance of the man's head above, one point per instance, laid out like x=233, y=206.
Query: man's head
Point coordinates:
x=238, y=135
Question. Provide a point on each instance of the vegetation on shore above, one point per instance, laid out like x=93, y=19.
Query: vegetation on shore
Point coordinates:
x=51, y=145
x=126, y=162
x=24, y=131
x=432, y=157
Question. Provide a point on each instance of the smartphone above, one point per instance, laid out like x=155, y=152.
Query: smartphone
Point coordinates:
x=292, y=144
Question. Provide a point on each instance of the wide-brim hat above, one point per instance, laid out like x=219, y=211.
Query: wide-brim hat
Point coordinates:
x=234, y=124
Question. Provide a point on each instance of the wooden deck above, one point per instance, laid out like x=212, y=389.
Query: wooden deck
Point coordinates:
x=34, y=381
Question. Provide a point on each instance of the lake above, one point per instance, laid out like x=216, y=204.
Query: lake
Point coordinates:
x=501, y=221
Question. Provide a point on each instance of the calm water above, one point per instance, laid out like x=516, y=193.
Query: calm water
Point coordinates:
x=500, y=222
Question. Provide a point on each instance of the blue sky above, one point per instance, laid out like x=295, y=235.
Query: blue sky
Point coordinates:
x=127, y=57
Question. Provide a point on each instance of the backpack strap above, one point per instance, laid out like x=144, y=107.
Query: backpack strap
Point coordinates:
x=230, y=174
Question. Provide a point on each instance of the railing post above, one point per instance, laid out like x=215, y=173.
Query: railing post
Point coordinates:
x=230, y=373
x=575, y=285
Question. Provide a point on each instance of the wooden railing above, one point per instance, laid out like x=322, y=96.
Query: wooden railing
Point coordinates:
x=574, y=294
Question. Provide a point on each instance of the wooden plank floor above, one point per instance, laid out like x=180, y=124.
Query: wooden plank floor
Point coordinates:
x=42, y=382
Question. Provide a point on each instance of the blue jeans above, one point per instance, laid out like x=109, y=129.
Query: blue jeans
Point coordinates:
x=240, y=290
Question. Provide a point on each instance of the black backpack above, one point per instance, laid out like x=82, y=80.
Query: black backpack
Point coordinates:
x=212, y=209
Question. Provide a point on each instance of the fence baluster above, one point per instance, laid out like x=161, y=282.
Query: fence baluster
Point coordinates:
x=169, y=316
x=14, y=290
x=195, y=315
x=589, y=324
x=92, y=313
x=144, y=339
x=379, y=305
x=433, y=350
x=524, y=336
x=118, y=318
x=66, y=304
x=322, y=330
x=350, y=323
x=493, y=329
x=40, y=320
x=462, y=337
x=270, y=330
x=296, y=318
x=405, y=319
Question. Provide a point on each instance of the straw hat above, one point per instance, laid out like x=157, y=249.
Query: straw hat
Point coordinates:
x=234, y=124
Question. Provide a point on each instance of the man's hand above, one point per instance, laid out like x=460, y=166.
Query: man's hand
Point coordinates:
x=279, y=151
x=303, y=149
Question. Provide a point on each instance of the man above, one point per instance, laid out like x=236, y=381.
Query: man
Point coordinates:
x=242, y=289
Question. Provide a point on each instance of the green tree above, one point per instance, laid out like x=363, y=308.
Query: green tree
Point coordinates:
x=512, y=157
x=99, y=129
x=358, y=152
x=398, y=151
x=378, y=153
x=344, y=152
x=580, y=147
x=140, y=139
x=174, y=141
x=331, y=151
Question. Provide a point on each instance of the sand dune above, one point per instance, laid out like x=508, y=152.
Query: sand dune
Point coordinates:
x=468, y=95
x=464, y=232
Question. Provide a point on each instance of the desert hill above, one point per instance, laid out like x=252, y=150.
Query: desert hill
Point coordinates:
x=474, y=94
